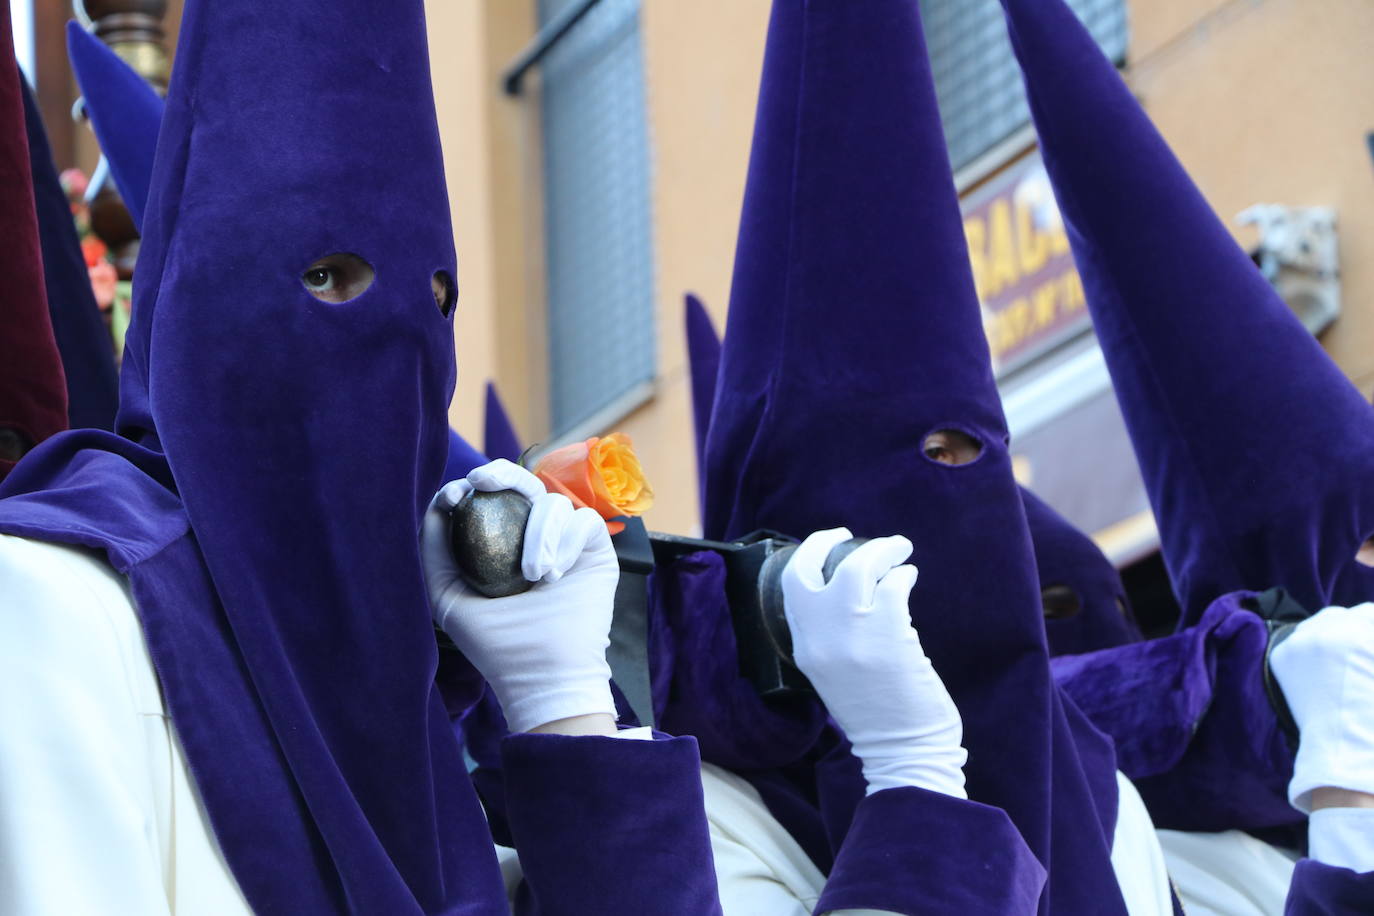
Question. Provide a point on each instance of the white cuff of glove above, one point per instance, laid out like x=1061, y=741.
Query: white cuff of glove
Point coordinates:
x=527, y=711
x=639, y=733
x=941, y=772
x=1318, y=765
x=1342, y=837
x=1326, y=670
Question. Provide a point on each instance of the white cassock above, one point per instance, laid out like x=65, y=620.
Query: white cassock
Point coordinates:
x=1227, y=874
x=98, y=812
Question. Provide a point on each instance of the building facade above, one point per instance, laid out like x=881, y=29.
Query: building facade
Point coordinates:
x=591, y=197
x=1261, y=99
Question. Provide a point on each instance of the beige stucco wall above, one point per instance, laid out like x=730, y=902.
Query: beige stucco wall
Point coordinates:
x=1264, y=100
x=488, y=155
x=1268, y=102
x=702, y=62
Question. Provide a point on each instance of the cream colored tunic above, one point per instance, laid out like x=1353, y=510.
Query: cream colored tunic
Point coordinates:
x=98, y=812
x=1227, y=874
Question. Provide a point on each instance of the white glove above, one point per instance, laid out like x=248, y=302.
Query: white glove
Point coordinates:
x=1326, y=670
x=543, y=651
x=854, y=640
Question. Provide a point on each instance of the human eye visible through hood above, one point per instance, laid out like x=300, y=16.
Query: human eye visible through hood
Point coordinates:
x=338, y=277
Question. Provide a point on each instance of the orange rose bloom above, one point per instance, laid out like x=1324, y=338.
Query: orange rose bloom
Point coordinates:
x=603, y=474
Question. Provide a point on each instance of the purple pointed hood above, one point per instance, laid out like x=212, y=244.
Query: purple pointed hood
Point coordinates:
x=275, y=454
x=1065, y=558
x=125, y=112
x=499, y=438
x=854, y=332
x=1086, y=607
x=1257, y=453
x=703, y=362
x=81, y=335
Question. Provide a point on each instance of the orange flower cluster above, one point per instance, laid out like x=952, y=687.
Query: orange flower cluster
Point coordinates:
x=602, y=474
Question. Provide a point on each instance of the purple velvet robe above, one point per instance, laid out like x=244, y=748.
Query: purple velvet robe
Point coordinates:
x=819, y=818
x=1192, y=334
x=853, y=334
x=606, y=825
x=1196, y=731
x=904, y=850
x=274, y=565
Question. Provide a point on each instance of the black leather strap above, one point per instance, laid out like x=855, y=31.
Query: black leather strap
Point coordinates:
x=1281, y=613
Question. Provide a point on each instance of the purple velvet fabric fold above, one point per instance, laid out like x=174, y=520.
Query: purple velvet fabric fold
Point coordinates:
x=1192, y=721
x=916, y=852
x=291, y=872
x=1324, y=890
x=645, y=798
x=91, y=489
x=125, y=112
x=82, y=338
x=499, y=439
x=1215, y=375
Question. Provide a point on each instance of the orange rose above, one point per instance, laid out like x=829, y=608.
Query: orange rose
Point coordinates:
x=603, y=474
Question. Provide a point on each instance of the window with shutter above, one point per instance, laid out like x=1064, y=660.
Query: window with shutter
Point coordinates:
x=597, y=216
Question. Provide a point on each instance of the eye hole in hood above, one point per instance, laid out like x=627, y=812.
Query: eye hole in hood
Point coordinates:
x=1060, y=602
x=951, y=447
x=337, y=278
x=445, y=294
